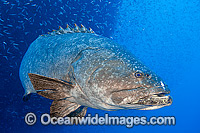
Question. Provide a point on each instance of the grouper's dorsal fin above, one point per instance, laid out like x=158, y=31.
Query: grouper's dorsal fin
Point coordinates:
x=68, y=30
x=50, y=88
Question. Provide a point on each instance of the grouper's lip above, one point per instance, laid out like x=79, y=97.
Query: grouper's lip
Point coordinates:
x=149, y=104
x=157, y=99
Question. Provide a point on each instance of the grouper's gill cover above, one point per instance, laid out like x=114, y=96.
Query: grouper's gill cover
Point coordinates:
x=76, y=67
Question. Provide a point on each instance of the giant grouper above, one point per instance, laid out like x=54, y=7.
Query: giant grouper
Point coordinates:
x=77, y=68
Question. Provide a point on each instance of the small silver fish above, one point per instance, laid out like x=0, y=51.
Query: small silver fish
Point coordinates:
x=78, y=69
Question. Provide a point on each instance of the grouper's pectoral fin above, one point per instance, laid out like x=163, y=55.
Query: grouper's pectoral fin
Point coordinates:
x=50, y=88
x=58, y=91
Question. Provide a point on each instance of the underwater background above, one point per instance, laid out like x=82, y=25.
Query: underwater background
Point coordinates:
x=163, y=34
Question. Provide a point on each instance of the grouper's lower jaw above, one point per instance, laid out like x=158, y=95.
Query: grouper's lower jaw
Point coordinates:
x=155, y=102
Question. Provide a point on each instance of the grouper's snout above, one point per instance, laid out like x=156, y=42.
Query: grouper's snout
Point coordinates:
x=162, y=86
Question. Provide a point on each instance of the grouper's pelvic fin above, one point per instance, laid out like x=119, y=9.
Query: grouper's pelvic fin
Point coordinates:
x=62, y=108
x=59, y=91
x=26, y=96
x=68, y=29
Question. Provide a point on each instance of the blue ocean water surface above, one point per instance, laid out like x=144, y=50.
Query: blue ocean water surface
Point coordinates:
x=165, y=35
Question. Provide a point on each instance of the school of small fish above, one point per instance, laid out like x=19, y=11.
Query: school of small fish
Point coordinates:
x=21, y=22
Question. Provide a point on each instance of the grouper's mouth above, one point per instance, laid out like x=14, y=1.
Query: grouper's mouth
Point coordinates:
x=144, y=98
x=155, y=101
x=158, y=99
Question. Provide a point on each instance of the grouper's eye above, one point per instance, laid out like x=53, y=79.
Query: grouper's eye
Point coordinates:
x=138, y=74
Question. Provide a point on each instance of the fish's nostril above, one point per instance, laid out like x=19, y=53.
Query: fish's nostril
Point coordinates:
x=147, y=75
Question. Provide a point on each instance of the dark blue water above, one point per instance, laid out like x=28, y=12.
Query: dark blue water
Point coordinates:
x=165, y=35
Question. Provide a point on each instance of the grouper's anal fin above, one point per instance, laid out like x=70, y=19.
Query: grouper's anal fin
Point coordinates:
x=50, y=88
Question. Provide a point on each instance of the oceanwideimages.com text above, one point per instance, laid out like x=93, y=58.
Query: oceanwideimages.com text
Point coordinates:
x=128, y=121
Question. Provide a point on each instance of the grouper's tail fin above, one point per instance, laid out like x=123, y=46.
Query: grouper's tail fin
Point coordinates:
x=59, y=91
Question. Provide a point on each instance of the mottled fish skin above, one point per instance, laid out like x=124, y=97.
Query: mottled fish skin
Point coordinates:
x=104, y=74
